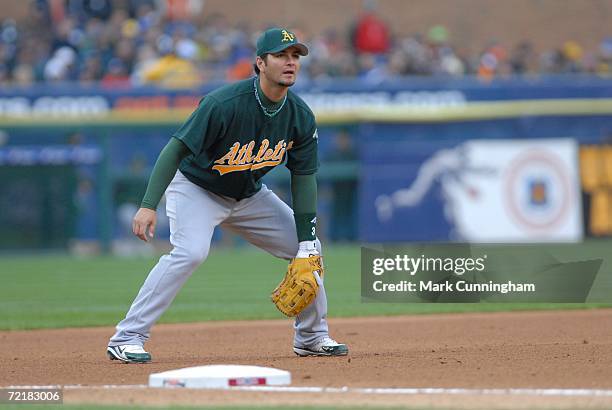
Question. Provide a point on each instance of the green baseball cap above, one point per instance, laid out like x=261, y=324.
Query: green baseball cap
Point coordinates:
x=275, y=40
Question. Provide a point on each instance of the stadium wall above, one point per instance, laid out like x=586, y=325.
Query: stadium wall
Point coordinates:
x=399, y=129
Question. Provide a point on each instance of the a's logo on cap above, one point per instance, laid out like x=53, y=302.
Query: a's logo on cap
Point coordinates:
x=287, y=36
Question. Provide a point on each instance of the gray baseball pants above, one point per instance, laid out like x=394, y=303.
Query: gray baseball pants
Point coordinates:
x=263, y=220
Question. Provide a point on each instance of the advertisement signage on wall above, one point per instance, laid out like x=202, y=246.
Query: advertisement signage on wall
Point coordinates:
x=478, y=191
x=596, y=183
x=434, y=99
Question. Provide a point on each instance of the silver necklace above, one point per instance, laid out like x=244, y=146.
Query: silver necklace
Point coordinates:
x=267, y=111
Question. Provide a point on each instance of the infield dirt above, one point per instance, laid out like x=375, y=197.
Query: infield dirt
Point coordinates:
x=549, y=349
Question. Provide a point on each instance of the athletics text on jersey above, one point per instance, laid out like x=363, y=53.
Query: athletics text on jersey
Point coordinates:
x=241, y=158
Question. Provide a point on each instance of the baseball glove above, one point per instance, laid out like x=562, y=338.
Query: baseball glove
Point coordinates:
x=299, y=287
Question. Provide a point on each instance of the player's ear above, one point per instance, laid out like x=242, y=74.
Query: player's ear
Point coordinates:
x=261, y=62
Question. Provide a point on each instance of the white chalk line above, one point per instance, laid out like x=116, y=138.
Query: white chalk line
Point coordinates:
x=432, y=391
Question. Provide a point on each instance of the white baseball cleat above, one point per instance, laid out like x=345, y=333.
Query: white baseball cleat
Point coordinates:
x=128, y=353
x=324, y=347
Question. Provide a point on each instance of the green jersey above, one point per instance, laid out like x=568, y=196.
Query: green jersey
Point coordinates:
x=233, y=143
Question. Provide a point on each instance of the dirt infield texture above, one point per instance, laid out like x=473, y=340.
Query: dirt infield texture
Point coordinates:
x=551, y=349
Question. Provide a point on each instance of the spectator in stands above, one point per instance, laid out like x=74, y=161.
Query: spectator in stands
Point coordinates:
x=145, y=59
x=572, y=57
x=604, y=63
x=171, y=70
x=66, y=34
x=371, y=33
x=373, y=68
x=521, y=58
x=184, y=45
x=86, y=9
x=219, y=38
x=492, y=61
x=61, y=67
x=99, y=31
x=146, y=15
x=125, y=52
x=116, y=75
x=4, y=75
x=442, y=57
x=242, y=69
x=91, y=69
x=418, y=61
x=23, y=75
x=565, y=60
x=398, y=63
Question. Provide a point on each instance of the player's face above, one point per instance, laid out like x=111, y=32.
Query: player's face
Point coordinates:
x=282, y=68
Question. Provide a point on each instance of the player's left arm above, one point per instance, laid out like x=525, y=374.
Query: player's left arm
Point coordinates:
x=301, y=282
x=303, y=162
x=300, y=285
x=304, y=200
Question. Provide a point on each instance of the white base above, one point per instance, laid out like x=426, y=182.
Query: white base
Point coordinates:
x=220, y=377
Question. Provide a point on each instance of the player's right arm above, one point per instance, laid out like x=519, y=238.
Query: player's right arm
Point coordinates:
x=204, y=124
x=196, y=134
x=164, y=170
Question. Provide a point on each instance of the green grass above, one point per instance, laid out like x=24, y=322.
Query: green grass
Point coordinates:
x=57, y=291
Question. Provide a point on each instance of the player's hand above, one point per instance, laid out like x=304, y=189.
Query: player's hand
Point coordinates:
x=144, y=223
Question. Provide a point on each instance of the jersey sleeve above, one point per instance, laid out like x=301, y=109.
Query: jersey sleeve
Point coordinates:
x=304, y=204
x=203, y=126
x=165, y=167
x=302, y=157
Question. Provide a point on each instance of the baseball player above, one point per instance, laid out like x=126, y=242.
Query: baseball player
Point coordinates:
x=211, y=172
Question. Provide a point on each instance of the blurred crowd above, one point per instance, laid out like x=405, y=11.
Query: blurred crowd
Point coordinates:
x=159, y=42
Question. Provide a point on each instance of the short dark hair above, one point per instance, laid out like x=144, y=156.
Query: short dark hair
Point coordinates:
x=255, y=68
